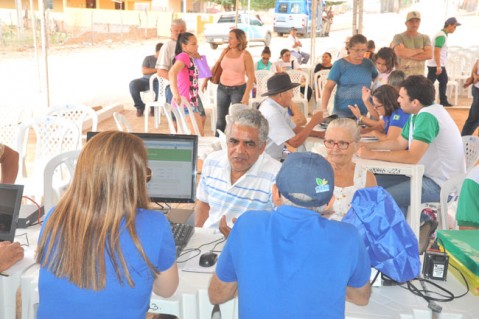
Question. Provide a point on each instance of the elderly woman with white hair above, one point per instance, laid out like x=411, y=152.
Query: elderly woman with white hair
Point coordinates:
x=341, y=141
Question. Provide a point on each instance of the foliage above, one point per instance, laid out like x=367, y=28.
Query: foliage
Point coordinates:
x=255, y=4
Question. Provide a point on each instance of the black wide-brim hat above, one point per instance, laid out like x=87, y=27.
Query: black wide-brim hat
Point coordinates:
x=280, y=82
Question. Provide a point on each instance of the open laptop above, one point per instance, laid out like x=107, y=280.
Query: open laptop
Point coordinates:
x=10, y=202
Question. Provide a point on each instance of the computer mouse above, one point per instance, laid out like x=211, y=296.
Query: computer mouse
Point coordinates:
x=208, y=259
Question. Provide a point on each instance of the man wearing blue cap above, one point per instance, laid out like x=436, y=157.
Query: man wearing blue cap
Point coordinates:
x=436, y=67
x=294, y=263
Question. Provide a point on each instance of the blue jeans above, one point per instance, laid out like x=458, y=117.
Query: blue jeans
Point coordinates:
x=225, y=96
x=472, y=121
x=141, y=85
x=399, y=186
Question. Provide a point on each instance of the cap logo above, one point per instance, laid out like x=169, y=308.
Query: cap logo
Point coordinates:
x=322, y=185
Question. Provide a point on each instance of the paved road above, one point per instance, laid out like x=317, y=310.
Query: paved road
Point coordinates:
x=100, y=75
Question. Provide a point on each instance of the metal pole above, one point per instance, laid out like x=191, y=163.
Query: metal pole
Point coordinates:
x=35, y=44
x=44, y=37
x=355, y=16
x=360, y=17
x=21, y=28
x=314, y=9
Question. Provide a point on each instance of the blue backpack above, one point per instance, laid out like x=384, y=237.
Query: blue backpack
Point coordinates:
x=390, y=242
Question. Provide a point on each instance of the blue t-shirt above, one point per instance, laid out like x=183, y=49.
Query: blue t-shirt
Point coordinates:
x=350, y=79
x=292, y=263
x=398, y=118
x=59, y=298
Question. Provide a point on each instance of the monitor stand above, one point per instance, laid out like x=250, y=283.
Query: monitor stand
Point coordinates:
x=181, y=215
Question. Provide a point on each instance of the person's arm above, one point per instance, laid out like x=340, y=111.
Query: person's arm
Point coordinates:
x=249, y=66
x=173, y=78
x=437, y=59
x=409, y=156
x=405, y=53
x=393, y=133
x=10, y=253
x=371, y=180
x=366, y=97
x=219, y=291
x=426, y=54
x=9, y=163
x=326, y=95
x=359, y=296
x=145, y=68
x=166, y=282
x=202, y=212
x=303, y=132
x=298, y=116
x=374, y=124
x=474, y=76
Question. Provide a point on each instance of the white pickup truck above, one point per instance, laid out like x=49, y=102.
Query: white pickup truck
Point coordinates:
x=217, y=33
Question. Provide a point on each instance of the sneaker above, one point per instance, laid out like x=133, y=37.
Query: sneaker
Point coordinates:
x=139, y=113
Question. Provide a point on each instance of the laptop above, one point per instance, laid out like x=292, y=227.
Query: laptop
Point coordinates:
x=10, y=202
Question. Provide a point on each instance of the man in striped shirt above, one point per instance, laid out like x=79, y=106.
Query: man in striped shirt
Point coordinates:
x=238, y=179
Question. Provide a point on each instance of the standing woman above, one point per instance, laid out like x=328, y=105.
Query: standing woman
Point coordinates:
x=101, y=251
x=350, y=74
x=237, y=78
x=183, y=77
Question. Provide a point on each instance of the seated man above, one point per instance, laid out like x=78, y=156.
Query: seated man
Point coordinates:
x=297, y=47
x=294, y=263
x=9, y=163
x=430, y=137
x=143, y=84
x=238, y=179
x=282, y=130
x=10, y=253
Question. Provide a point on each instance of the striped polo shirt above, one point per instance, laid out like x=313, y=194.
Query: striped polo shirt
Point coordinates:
x=250, y=192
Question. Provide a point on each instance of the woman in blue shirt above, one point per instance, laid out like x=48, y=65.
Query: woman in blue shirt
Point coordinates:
x=386, y=108
x=349, y=74
x=101, y=251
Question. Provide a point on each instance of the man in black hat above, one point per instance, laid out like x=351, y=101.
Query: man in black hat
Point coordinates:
x=281, y=127
x=436, y=67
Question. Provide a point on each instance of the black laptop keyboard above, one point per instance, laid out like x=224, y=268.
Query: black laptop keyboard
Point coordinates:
x=182, y=234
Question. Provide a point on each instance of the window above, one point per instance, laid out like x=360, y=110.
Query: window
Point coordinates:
x=283, y=8
x=295, y=8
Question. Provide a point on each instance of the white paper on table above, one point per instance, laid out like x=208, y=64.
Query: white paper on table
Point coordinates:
x=22, y=265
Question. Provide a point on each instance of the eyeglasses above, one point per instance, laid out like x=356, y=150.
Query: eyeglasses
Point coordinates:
x=378, y=106
x=342, y=145
x=358, y=50
x=148, y=174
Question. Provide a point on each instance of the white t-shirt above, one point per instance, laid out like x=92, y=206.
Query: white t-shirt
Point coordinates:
x=280, y=127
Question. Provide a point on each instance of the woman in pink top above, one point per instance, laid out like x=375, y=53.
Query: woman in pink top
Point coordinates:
x=183, y=77
x=236, y=81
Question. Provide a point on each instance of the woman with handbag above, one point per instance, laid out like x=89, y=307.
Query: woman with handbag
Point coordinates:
x=237, y=76
x=183, y=77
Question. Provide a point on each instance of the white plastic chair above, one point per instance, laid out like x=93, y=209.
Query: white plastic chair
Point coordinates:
x=208, y=98
x=122, y=123
x=262, y=77
x=450, y=191
x=54, y=135
x=181, y=120
x=298, y=76
x=81, y=114
x=471, y=150
x=57, y=176
x=323, y=79
x=158, y=103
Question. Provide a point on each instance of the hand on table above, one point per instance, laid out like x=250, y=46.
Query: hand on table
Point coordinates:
x=364, y=151
x=224, y=228
x=10, y=253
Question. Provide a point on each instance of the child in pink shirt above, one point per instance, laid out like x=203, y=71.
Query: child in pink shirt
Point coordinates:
x=183, y=77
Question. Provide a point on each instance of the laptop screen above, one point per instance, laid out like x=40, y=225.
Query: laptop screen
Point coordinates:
x=10, y=202
x=172, y=159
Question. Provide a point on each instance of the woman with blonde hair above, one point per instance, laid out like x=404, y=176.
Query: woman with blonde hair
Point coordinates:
x=101, y=251
x=237, y=78
x=341, y=141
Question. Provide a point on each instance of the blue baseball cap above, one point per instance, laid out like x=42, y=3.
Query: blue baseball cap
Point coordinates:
x=306, y=179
